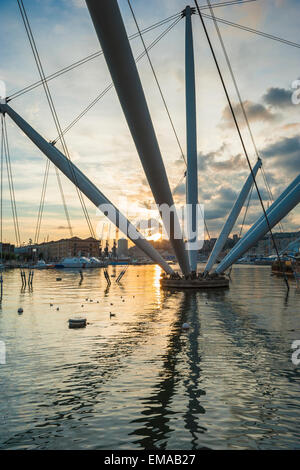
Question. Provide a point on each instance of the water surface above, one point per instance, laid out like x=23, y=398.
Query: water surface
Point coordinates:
x=137, y=380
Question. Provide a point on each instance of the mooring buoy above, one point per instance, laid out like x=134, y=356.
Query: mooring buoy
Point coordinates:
x=20, y=310
x=185, y=326
x=77, y=323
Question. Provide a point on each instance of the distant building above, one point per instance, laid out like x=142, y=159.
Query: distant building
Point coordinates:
x=122, y=247
x=68, y=247
x=265, y=247
x=7, y=249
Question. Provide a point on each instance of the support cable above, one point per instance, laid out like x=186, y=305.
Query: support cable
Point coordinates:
x=156, y=79
x=11, y=186
x=55, y=118
x=242, y=108
x=133, y=36
x=84, y=60
x=42, y=203
x=235, y=119
x=110, y=86
x=254, y=31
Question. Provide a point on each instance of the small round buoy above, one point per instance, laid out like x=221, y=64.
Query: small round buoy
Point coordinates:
x=185, y=326
x=20, y=310
x=111, y=304
x=123, y=300
x=86, y=300
x=81, y=306
x=77, y=323
x=51, y=305
x=91, y=300
x=57, y=308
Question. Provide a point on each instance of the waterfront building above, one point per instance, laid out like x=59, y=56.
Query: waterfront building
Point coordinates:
x=68, y=247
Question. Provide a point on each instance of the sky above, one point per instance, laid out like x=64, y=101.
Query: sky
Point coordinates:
x=100, y=144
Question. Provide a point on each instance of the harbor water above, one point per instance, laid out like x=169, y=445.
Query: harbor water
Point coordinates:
x=133, y=378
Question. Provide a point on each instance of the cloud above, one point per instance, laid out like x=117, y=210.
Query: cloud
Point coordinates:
x=256, y=112
x=278, y=97
x=285, y=153
x=211, y=161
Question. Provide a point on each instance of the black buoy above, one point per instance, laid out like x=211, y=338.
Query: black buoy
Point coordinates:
x=20, y=310
x=77, y=323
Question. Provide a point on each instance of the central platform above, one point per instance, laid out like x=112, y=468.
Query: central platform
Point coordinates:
x=199, y=283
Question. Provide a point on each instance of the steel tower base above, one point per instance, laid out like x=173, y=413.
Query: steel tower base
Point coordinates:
x=211, y=282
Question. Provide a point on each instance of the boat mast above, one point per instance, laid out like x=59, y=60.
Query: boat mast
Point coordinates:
x=191, y=141
x=114, y=42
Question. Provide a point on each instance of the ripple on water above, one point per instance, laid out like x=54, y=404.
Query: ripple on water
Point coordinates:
x=137, y=380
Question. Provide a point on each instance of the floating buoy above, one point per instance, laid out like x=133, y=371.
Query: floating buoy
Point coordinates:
x=185, y=326
x=97, y=301
x=57, y=308
x=51, y=305
x=111, y=304
x=91, y=300
x=81, y=306
x=20, y=310
x=58, y=278
x=123, y=300
x=86, y=300
x=77, y=323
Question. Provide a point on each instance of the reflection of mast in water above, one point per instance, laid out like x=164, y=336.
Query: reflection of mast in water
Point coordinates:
x=155, y=428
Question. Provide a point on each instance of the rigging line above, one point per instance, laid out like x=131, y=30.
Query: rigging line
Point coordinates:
x=110, y=86
x=241, y=103
x=11, y=186
x=99, y=53
x=84, y=60
x=42, y=202
x=236, y=123
x=157, y=82
x=254, y=31
x=40, y=70
x=55, y=117
x=225, y=4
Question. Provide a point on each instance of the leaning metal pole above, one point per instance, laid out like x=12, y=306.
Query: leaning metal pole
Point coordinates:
x=235, y=211
x=291, y=186
x=278, y=212
x=114, y=42
x=86, y=187
x=191, y=142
